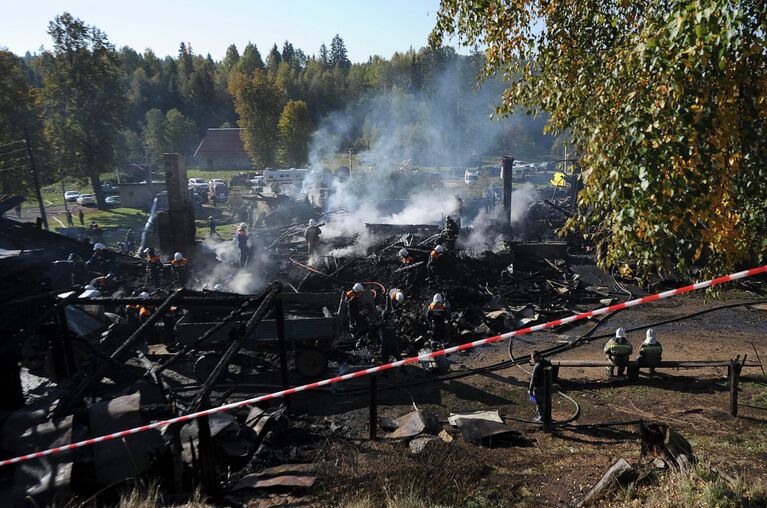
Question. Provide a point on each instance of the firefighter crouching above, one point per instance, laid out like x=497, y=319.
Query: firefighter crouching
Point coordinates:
x=650, y=352
x=618, y=351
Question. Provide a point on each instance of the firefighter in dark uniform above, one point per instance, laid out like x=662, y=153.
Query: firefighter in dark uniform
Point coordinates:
x=618, y=351
x=180, y=267
x=153, y=266
x=535, y=390
x=360, y=306
x=650, y=352
x=312, y=237
x=437, y=314
x=450, y=233
x=435, y=263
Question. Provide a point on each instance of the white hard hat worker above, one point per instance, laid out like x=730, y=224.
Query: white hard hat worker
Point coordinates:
x=403, y=252
x=439, y=249
x=650, y=337
x=312, y=222
x=438, y=298
x=99, y=246
x=178, y=256
x=358, y=288
x=144, y=295
x=243, y=226
x=620, y=333
x=400, y=296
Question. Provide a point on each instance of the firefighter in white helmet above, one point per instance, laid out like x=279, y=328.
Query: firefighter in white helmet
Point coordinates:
x=101, y=260
x=650, y=352
x=618, y=351
x=438, y=314
x=436, y=262
x=360, y=304
x=180, y=266
x=395, y=301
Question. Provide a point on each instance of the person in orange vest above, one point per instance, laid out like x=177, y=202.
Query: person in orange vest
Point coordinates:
x=437, y=314
x=360, y=305
x=408, y=263
x=405, y=258
x=169, y=323
x=396, y=299
x=153, y=266
x=436, y=260
x=180, y=267
x=144, y=310
x=137, y=313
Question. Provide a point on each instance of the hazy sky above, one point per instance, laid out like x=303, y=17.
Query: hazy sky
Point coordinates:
x=368, y=27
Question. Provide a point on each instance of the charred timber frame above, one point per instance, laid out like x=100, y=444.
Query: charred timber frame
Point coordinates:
x=76, y=393
x=235, y=314
x=236, y=345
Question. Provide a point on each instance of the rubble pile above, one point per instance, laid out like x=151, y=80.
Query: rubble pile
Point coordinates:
x=98, y=342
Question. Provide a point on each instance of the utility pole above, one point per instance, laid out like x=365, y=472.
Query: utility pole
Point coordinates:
x=35, y=180
x=350, y=160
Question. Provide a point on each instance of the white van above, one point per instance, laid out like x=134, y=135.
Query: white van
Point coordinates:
x=291, y=175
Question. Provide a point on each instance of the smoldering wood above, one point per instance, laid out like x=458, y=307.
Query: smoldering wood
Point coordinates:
x=235, y=346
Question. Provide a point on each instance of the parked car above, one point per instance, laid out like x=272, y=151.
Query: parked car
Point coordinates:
x=113, y=201
x=71, y=196
x=198, y=182
x=86, y=199
x=108, y=188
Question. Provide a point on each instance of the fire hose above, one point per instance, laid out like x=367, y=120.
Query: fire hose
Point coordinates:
x=381, y=368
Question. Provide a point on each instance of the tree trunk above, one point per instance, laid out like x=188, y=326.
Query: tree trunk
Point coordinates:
x=96, y=184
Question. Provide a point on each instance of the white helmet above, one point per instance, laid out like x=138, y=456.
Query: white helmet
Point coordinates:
x=358, y=288
x=439, y=249
x=243, y=225
x=620, y=333
x=403, y=252
x=312, y=222
x=650, y=336
x=438, y=298
x=99, y=246
x=400, y=296
x=144, y=295
x=218, y=287
x=177, y=256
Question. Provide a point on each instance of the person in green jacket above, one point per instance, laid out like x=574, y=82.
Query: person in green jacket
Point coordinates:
x=618, y=351
x=650, y=352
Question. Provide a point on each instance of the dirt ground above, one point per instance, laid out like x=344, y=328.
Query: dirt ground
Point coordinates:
x=560, y=467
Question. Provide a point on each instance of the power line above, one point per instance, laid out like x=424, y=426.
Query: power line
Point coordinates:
x=12, y=143
x=2, y=170
x=23, y=149
x=12, y=161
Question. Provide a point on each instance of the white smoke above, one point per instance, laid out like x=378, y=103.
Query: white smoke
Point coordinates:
x=521, y=199
x=227, y=272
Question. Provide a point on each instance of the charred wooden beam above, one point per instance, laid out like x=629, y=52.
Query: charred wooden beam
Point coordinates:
x=235, y=314
x=235, y=346
x=74, y=395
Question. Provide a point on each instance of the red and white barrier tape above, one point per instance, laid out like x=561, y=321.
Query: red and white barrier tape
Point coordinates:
x=400, y=363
